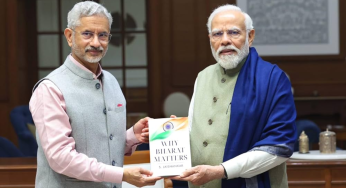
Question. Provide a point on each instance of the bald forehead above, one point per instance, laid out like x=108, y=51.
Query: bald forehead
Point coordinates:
x=230, y=17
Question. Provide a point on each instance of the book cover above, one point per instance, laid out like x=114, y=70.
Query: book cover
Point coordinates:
x=169, y=142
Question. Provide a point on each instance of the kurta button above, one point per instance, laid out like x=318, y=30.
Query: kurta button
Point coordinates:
x=113, y=163
x=214, y=99
x=205, y=143
x=223, y=80
x=105, y=111
x=98, y=85
x=111, y=137
x=210, y=121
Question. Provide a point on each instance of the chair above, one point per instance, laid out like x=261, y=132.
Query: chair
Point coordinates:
x=143, y=146
x=180, y=184
x=311, y=130
x=20, y=118
x=8, y=149
x=176, y=103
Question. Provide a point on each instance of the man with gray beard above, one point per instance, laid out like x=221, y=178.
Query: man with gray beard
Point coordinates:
x=242, y=113
x=80, y=113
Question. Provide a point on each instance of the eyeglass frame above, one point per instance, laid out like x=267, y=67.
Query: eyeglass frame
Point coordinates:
x=92, y=37
x=217, y=38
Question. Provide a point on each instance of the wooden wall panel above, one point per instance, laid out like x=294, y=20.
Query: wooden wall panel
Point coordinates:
x=8, y=71
x=179, y=47
x=12, y=50
x=13, y=62
x=3, y=65
x=184, y=43
x=154, y=15
x=27, y=49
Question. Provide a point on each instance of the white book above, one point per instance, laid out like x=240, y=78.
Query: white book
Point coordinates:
x=169, y=141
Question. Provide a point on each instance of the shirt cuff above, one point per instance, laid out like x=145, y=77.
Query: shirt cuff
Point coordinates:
x=131, y=142
x=131, y=138
x=232, y=168
x=251, y=163
x=113, y=174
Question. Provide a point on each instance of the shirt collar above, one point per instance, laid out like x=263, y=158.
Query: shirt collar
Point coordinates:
x=95, y=76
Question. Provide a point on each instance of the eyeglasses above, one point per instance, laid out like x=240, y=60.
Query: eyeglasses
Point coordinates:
x=231, y=34
x=103, y=37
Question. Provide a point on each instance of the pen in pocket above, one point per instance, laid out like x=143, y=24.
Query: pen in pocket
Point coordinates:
x=228, y=107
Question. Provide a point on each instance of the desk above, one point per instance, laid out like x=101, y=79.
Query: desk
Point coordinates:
x=316, y=174
x=17, y=172
x=21, y=172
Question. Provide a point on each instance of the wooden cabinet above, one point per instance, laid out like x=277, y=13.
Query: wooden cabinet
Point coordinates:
x=21, y=172
x=316, y=174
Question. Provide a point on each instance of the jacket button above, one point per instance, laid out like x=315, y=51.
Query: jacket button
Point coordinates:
x=98, y=85
x=113, y=163
x=214, y=99
x=210, y=121
x=111, y=137
x=223, y=80
x=105, y=111
x=205, y=143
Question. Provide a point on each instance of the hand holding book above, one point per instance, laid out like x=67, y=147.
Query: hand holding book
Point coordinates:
x=141, y=130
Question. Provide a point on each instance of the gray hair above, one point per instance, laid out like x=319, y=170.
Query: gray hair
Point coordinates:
x=85, y=9
x=248, y=20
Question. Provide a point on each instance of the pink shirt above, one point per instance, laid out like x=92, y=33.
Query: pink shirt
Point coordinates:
x=48, y=109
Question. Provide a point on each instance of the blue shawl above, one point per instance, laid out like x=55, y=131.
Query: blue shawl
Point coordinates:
x=262, y=114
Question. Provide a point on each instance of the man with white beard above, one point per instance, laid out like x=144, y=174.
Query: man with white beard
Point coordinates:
x=242, y=113
x=80, y=116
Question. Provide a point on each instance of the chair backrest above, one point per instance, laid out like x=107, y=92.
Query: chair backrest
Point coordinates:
x=20, y=117
x=176, y=103
x=143, y=146
x=311, y=130
x=8, y=149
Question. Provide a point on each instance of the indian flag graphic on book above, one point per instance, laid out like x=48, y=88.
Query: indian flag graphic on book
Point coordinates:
x=169, y=146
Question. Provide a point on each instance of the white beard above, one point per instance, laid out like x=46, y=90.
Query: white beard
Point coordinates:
x=233, y=60
x=83, y=56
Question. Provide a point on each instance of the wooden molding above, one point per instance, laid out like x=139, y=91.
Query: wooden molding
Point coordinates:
x=138, y=157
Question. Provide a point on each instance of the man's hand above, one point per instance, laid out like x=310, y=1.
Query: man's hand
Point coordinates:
x=139, y=177
x=201, y=174
x=141, y=130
